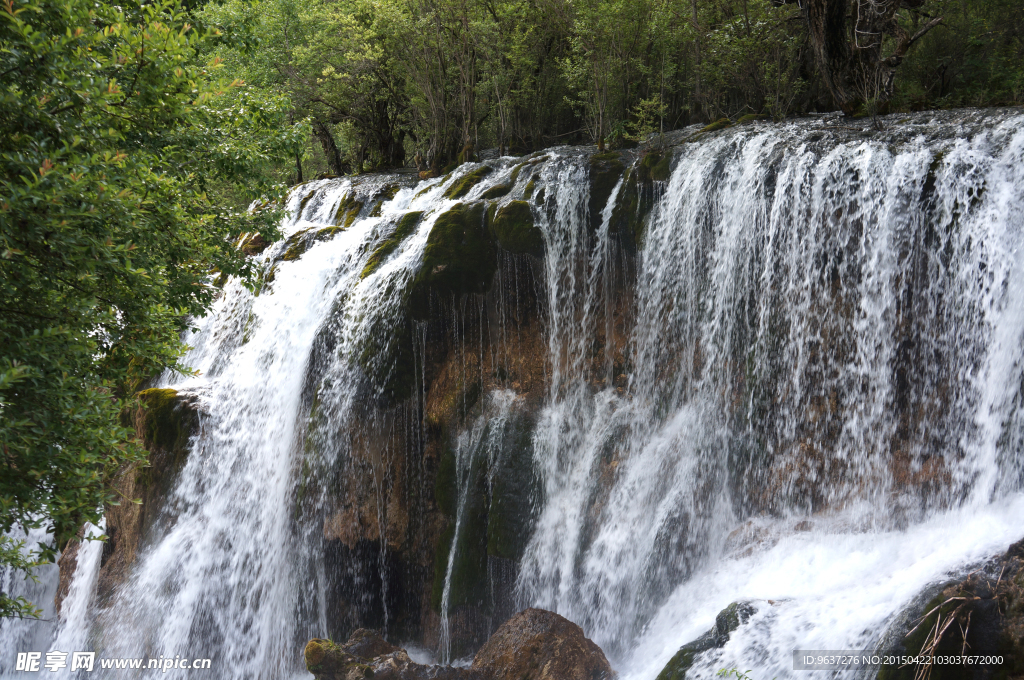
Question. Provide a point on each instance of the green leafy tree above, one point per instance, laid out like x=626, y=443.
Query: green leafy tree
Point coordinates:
x=119, y=150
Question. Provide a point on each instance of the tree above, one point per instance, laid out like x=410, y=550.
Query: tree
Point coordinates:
x=859, y=44
x=116, y=142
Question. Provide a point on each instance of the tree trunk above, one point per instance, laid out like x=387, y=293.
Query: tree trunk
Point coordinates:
x=326, y=139
x=849, y=56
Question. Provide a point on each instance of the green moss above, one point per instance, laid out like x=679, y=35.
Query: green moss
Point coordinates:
x=460, y=258
x=386, y=358
x=677, y=666
x=464, y=184
x=165, y=425
x=530, y=186
x=515, y=492
x=265, y=278
x=605, y=171
x=406, y=226
x=514, y=228
x=220, y=280
x=327, y=233
x=727, y=621
x=389, y=192
x=750, y=118
x=719, y=124
x=376, y=209
x=469, y=566
x=347, y=211
x=497, y=191
x=515, y=173
x=655, y=166
x=296, y=246
x=446, y=484
x=540, y=197
x=253, y=244
x=305, y=200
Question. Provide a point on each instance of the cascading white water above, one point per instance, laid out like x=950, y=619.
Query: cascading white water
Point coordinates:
x=778, y=278
x=821, y=404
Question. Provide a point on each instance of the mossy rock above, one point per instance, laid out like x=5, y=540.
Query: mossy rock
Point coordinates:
x=464, y=184
x=515, y=499
x=305, y=200
x=515, y=231
x=347, y=211
x=220, y=279
x=469, y=585
x=750, y=118
x=166, y=424
x=388, y=192
x=328, y=232
x=446, y=484
x=979, y=607
x=539, y=200
x=460, y=258
x=605, y=171
x=727, y=621
x=497, y=191
x=386, y=359
x=719, y=124
x=296, y=246
x=328, y=661
x=253, y=244
x=530, y=187
x=406, y=226
x=263, y=281
x=515, y=173
x=656, y=167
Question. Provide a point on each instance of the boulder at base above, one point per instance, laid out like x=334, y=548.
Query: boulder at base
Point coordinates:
x=368, y=655
x=541, y=645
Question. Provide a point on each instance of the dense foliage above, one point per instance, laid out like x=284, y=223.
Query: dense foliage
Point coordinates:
x=119, y=149
x=386, y=82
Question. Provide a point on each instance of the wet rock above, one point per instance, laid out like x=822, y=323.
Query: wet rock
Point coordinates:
x=541, y=645
x=605, y=171
x=513, y=227
x=253, y=245
x=460, y=258
x=981, y=615
x=164, y=423
x=368, y=644
x=368, y=655
x=728, y=620
x=462, y=186
x=405, y=227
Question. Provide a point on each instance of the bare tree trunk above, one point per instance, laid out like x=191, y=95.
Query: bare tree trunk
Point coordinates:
x=326, y=139
x=849, y=57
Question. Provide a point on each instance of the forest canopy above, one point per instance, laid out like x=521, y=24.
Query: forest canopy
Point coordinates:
x=386, y=83
x=123, y=148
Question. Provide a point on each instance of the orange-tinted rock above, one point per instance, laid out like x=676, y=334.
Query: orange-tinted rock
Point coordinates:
x=541, y=645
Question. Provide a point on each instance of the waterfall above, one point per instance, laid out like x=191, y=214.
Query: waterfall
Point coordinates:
x=786, y=371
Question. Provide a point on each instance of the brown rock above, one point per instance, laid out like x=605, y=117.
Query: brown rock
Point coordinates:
x=368, y=655
x=541, y=645
x=398, y=666
x=368, y=644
